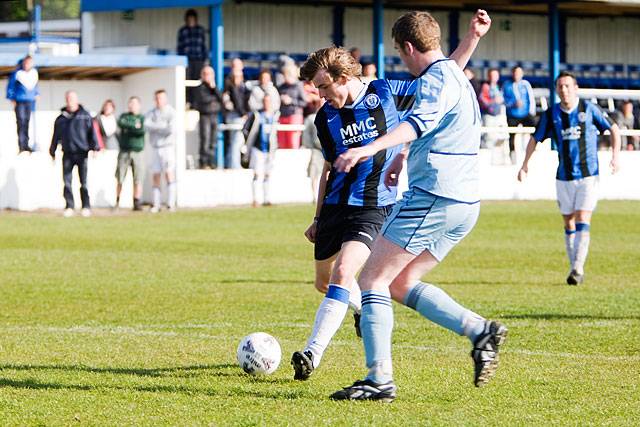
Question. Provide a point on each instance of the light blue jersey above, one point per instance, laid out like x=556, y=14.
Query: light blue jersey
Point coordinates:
x=443, y=160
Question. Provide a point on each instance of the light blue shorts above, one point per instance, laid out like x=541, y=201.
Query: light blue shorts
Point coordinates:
x=423, y=221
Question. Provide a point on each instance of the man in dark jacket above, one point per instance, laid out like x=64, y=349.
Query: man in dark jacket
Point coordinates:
x=73, y=129
x=208, y=102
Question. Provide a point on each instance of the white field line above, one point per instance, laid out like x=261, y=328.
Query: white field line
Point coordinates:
x=148, y=330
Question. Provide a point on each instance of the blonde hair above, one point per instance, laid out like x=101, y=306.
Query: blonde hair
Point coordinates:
x=336, y=60
x=418, y=28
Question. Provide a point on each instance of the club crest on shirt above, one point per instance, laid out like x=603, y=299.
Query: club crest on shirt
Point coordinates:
x=582, y=117
x=371, y=101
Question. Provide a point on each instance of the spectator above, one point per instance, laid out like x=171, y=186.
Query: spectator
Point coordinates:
x=626, y=120
x=108, y=125
x=265, y=87
x=73, y=129
x=22, y=91
x=311, y=141
x=159, y=122
x=520, y=103
x=236, y=103
x=293, y=100
x=471, y=75
x=131, y=126
x=208, y=102
x=283, y=62
x=314, y=102
x=192, y=45
x=368, y=72
x=356, y=54
x=261, y=147
x=492, y=108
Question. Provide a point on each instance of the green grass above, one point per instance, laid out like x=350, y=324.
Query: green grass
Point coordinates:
x=134, y=320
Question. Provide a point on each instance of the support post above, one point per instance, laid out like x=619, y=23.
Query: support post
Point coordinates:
x=554, y=49
x=337, y=36
x=454, y=30
x=216, y=29
x=378, y=37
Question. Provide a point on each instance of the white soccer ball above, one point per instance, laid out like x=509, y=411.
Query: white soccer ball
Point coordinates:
x=259, y=354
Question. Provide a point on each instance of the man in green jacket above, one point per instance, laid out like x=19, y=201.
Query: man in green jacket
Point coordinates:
x=131, y=126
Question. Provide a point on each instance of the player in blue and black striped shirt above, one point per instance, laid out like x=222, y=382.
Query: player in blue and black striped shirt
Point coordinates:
x=351, y=206
x=573, y=125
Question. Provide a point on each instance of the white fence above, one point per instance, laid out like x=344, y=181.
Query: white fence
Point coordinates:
x=30, y=182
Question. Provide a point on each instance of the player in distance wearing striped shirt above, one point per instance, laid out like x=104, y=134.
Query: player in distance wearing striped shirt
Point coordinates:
x=573, y=125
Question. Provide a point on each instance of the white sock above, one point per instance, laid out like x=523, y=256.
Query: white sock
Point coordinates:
x=355, y=297
x=583, y=236
x=255, y=188
x=266, y=189
x=329, y=317
x=569, y=238
x=171, y=195
x=156, y=197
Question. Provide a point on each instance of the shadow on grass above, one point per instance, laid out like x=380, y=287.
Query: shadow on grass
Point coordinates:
x=264, y=281
x=247, y=386
x=219, y=370
x=559, y=316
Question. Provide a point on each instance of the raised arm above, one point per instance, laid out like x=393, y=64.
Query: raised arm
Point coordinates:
x=478, y=27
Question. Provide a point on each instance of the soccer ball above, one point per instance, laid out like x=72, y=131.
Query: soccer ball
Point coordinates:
x=259, y=354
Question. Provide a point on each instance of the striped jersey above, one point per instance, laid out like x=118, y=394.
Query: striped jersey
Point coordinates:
x=575, y=134
x=379, y=108
x=443, y=160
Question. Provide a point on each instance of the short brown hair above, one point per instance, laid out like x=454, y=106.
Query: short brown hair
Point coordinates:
x=159, y=91
x=336, y=60
x=566, y=74
x=264, y=71
x=418, y=28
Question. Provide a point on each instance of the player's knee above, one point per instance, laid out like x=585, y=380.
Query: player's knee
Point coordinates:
x=322, y=285
x=342, y=274
x=399, y=288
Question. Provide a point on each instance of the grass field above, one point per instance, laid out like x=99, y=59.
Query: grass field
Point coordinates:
x=135, y=319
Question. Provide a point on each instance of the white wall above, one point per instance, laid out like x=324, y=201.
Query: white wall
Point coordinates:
x=251, y=27
x=266, y=27
x=299, y=29
x=526, y=40
x=248, y=27
x=603, y=40
x=358, y=28
x=32, y=182
x=152, y=27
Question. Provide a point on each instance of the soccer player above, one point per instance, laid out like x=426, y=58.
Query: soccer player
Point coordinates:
x=439, y=209
x=573, y=125
x=352, y=206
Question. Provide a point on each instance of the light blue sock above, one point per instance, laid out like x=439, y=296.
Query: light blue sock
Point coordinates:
x=434, y=304
x=376, y=325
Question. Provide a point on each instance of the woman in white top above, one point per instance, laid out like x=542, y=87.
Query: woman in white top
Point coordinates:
x=108, y=125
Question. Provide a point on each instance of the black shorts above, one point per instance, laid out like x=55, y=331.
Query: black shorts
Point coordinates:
x=524, y=121
x=338, y=224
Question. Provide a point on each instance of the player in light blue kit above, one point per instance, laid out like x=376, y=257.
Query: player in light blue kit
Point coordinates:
x=439, y=209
